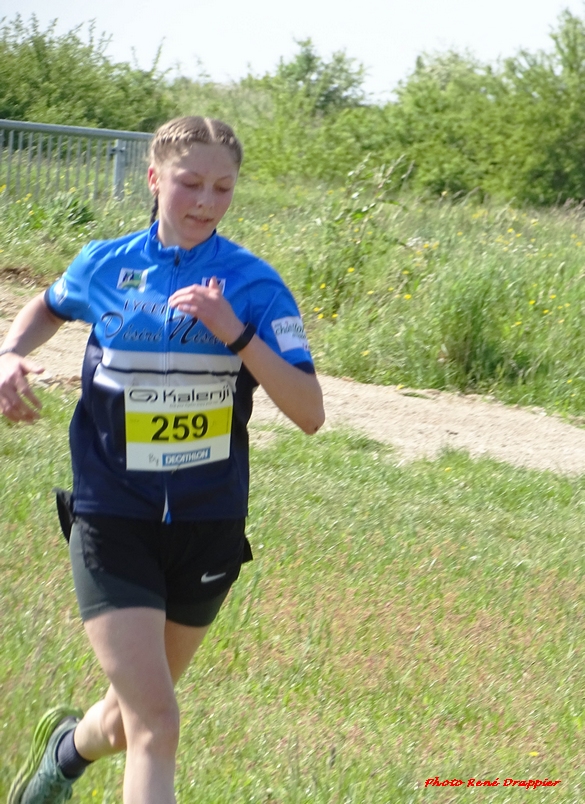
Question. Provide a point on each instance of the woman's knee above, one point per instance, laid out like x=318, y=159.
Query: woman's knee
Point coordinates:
x=155, y=730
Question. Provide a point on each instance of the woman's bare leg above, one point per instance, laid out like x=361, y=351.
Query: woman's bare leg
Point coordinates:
x=101, y=732
x=143, y=656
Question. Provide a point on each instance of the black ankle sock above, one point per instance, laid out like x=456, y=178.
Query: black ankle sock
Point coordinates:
x=69, y=760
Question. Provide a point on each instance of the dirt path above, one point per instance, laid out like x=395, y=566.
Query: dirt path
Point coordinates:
x=415, y=423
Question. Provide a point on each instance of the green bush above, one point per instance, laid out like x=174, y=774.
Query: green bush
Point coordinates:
x=47, y=78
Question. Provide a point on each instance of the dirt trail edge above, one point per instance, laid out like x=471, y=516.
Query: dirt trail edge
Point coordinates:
x=416, y=423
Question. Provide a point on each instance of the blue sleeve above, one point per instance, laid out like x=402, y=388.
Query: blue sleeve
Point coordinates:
x=280, y=325
x=68, y=297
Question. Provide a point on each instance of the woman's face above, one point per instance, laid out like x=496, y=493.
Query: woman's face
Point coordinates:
x=194, y=192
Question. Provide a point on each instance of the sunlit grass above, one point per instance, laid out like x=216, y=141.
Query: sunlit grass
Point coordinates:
x=398, y=622
x=394, y=289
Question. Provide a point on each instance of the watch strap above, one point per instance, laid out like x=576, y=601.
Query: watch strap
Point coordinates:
x=244, y=339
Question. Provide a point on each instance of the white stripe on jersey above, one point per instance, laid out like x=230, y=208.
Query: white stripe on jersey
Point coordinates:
x=128, y=360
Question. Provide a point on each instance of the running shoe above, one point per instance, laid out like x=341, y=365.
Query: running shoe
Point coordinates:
x=40, y=780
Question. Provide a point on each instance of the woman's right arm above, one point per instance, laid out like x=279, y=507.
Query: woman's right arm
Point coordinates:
x=32, y=327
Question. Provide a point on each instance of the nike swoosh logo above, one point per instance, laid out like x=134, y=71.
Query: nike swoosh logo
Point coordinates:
x=205, y=578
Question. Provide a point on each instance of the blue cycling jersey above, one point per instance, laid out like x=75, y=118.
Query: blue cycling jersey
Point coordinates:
x=160, y=429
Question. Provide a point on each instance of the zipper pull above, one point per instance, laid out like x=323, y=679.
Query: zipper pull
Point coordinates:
x=177, y=257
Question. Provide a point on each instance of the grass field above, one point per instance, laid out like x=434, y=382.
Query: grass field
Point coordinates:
x=398, y=623
x=394, y=289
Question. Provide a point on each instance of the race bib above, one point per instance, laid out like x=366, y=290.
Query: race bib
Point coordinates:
x=177, y=427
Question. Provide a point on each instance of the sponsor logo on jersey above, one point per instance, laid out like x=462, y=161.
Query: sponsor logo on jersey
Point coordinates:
x=60, y=290
x=290, y=333
x=131, y=279
x=207, y=279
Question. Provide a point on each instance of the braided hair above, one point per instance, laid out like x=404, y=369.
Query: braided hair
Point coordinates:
x=176, y=137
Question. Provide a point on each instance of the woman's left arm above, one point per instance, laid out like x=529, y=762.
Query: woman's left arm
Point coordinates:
x=294, y=391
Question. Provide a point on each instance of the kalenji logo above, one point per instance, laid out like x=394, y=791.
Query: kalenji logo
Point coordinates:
x=143, y=395
x=529, y=784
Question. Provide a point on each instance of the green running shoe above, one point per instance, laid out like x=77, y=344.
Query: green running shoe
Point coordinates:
x=39, y=780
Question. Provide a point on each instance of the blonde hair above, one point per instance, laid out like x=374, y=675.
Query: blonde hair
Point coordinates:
x=176, y=137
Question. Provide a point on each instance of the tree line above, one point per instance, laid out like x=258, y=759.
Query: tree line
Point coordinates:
x=511, y=130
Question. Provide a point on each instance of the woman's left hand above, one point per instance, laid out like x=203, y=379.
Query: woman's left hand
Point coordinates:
x=294, y=391
x=208, y=304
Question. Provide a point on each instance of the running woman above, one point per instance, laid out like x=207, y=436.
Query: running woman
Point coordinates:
x=185, y=325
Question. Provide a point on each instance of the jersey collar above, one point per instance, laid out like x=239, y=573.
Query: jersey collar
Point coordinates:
x=159, y=253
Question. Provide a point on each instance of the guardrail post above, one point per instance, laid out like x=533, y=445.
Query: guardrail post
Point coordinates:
x=119, y=164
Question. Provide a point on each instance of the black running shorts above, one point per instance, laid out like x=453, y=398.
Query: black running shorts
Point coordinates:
x=183, y=568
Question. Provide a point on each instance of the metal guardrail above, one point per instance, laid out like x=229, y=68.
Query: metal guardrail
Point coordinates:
x=39, y=159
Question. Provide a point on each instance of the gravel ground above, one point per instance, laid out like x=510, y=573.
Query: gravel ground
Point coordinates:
x=416, y=423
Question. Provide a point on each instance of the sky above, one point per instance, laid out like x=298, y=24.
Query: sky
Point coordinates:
x=226, y=39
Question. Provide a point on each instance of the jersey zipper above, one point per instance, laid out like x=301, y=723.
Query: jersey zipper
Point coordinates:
x=167, y=517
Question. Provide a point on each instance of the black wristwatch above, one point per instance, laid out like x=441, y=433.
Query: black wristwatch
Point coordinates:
x=243, y=340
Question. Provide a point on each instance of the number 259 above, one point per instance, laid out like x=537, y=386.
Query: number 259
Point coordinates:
x=181, y=428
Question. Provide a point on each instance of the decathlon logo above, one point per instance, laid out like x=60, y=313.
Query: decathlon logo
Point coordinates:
x=131, y=279
x=186, y=458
